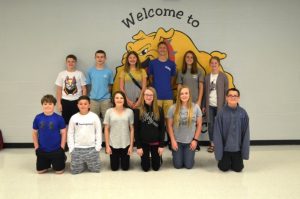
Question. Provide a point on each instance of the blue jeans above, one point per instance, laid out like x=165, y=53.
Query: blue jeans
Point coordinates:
x=183, y=157
x=211, y=120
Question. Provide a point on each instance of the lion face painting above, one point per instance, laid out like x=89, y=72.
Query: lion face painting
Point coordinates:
x=178, y=43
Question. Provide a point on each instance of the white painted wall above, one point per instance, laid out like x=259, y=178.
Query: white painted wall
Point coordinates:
x=261, y=39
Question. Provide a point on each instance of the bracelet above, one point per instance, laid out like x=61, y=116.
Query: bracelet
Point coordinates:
x=195, y=139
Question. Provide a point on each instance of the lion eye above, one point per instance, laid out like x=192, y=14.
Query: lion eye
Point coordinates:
x=144, y=52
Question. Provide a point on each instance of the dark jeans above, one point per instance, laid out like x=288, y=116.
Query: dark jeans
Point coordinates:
x=155, y=158
x=183, y=157
x=231, y=161
x=117, y=156
x=211, y=120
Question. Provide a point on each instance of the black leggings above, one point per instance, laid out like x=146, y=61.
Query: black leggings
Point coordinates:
x=117, y=156
x=155, y=158
x=231, y=161
x=211, y=121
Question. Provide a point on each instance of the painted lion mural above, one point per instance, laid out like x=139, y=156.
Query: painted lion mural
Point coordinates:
x=178, y=43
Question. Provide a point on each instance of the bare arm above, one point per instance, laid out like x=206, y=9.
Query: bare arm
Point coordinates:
x=88, y=89
x=151, y=80
x=131, y=139
x=122, y=88
x=122, y=84
x=84, y=90
x=200, y=95
x=194, y=142
x=171, y=134
x=106, y=134
x=35, y=139
x=63, y=133
x=58, y=97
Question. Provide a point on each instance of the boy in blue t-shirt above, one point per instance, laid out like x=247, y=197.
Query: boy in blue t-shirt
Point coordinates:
x=162, y=73
x=99, y=80
x=49, y=138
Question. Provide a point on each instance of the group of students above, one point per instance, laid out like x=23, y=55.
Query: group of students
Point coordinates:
x=140, y=115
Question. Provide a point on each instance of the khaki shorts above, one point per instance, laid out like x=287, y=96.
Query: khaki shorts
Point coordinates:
x=165, y=105
x=100, y=107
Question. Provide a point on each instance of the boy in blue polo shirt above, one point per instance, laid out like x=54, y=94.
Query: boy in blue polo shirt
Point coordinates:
x=162, y=73
x=100, y=79
x=49, y=138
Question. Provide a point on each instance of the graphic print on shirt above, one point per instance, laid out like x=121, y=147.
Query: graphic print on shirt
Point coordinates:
x=183, y=121
x=212, y=86
x=168, y=68
x=51, y=125
x=195, y=76
x=148, y=117
x=43, y=125
x=84, y=124
x=70, y=86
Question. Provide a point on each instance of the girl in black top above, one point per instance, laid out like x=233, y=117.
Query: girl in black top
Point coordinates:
x=150, y=132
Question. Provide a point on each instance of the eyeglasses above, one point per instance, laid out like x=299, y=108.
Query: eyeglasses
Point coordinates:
x=148, y=95
x=233, y=96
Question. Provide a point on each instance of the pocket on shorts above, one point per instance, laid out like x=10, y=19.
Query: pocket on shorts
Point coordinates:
x=93, y=151
x=73, y=152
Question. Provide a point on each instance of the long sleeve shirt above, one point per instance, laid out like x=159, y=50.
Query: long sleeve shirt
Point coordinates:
x=84, y=131
x=149, y=130
x=231, y=132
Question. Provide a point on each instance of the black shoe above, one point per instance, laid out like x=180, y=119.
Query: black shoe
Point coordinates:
x=170, y=146
x=66, y=148
x=198, y=147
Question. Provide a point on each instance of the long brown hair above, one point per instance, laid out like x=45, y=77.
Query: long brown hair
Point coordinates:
x=154, y=104
x=179, y=105
x=138, y=62
x=194, y=69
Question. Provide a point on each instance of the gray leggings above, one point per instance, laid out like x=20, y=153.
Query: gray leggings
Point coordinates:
x=85, y=157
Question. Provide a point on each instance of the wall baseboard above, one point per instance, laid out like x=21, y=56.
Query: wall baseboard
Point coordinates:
x=264, y=142
x=202, y=143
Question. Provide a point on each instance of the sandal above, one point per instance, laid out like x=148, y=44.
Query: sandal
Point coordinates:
x=211, y=149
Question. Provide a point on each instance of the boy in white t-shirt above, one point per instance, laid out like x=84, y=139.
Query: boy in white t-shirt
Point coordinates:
x=84, y=138
x=70, y=86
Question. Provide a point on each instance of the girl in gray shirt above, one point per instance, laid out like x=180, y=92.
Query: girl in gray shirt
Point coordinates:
x=119, y=132
x=184, y=128
x=191, y=76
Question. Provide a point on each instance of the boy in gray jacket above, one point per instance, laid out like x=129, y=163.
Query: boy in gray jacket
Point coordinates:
x=231, y=134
